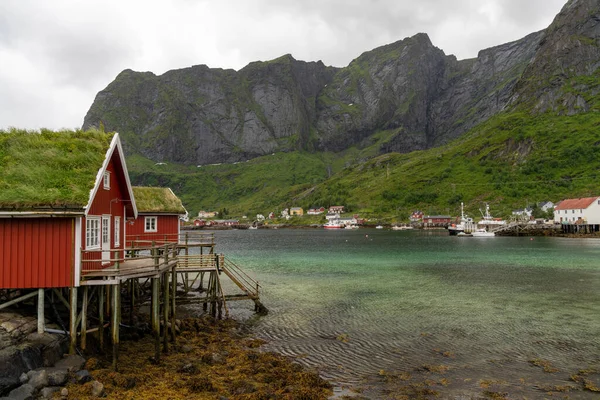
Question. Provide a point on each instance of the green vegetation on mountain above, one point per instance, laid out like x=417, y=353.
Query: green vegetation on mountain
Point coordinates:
x=511, y=161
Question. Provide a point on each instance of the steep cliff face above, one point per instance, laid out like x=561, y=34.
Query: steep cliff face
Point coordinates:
x=200, y=115
x=410, y=89
x=564, y=74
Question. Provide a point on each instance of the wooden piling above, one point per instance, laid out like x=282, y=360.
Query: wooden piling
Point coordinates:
x=173, y=304
x=155, y=321
x=84, y=309
x=73, y=321
x=101, y=317
x=41, y=324
x=115, y=326
x=166, y=305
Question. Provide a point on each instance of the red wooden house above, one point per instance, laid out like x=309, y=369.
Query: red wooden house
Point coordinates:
x=159, y=213
x=64, y=200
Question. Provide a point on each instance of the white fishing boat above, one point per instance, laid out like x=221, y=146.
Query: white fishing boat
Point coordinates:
x=333, y=224
x=465, y=224
x=379, y=227
x=482, y=233
x=488, y=222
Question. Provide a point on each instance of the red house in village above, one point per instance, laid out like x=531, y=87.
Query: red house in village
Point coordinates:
x=159, y=213
x=64, y=201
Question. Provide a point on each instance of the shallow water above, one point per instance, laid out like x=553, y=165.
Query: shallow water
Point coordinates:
x=363, y=304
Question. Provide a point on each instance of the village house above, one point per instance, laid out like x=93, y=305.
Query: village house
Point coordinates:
x=316, y=211
x=578, y=211
x=332, y=216
x=201, y=222
x=65, y=202
x=336, y=210
x=296, y=211
x=416, y=216
x=159, y=215
x=225, y=222
x=437, y=220
x=207, y=214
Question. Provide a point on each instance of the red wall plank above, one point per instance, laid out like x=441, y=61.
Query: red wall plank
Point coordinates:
x=36, y=252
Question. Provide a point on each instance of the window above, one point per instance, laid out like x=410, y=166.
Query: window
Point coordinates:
x=106, y=230
x=106, y=180
x=117, y=231
x=92, y=233
x=150, y=225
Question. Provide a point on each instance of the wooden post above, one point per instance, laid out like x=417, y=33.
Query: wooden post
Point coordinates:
x=41, y=324
x=186, y=276
x=84, y=306
x=131, y=300
x=73, y=321
x=166, y=304
x=173, y=304
x=155, y=321
x=101, y=316
x=115, y=325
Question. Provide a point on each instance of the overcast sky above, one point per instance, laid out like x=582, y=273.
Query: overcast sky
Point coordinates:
x=56, y=55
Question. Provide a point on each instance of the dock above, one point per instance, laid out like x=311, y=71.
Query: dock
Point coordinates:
x=159, y=275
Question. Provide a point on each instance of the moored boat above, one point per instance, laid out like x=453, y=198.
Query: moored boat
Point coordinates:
x=482, y=233
x=465, y=224
x=333, y=224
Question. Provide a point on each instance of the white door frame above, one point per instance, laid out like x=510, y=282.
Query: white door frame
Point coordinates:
x=105, y=235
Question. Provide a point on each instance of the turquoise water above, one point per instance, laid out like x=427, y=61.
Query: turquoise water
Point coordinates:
x=354, y=303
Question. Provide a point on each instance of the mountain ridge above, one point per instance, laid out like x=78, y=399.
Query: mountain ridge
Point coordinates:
x=409, y=90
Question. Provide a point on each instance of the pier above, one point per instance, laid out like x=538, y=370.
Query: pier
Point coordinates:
x=156, y=275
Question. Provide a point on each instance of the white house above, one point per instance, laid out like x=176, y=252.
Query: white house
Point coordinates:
x=583, y=211
x=546, y=205
x=330, y=216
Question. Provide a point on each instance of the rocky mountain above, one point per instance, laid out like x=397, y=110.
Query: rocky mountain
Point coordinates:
x=410, y=91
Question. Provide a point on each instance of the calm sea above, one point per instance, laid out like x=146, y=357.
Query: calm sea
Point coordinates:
x=513, y=315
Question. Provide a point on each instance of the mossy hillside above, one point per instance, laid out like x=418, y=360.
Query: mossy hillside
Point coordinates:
x=252, y=187
x=511, y=161
x=261, y=185
x=49, y=169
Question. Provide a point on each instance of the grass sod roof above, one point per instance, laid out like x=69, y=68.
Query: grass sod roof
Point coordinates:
x=157, y=200
x=48, y=169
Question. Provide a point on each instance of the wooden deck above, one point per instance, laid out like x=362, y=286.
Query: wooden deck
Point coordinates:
x=127, y=269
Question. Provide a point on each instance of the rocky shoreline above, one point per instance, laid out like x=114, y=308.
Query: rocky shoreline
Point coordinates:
x=32, y=365
x=212, y=359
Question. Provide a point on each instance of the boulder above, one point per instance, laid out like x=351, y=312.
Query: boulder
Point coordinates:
x=57, y=376
x=38, y=378
x=72, y=363
x=48, y=392
x=97, y=389
x=23, y=392
x=83, y=376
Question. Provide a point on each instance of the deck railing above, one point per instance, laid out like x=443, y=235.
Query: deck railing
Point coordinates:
x=157, y=255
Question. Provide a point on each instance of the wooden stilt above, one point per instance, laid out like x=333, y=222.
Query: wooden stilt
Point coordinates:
x=41, y=324
x=166, y=305
x=73, y=321
x=155, y=320
x=115, y=326
x=84, y=307
x=101, y=317
x=173, y=304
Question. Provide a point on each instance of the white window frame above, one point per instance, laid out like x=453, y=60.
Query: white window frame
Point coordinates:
x=151, y=228
x=92, y=233
x=106, y=180
x=117, y=231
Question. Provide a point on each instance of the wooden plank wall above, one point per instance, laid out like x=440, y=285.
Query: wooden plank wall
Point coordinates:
x=36, y=252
